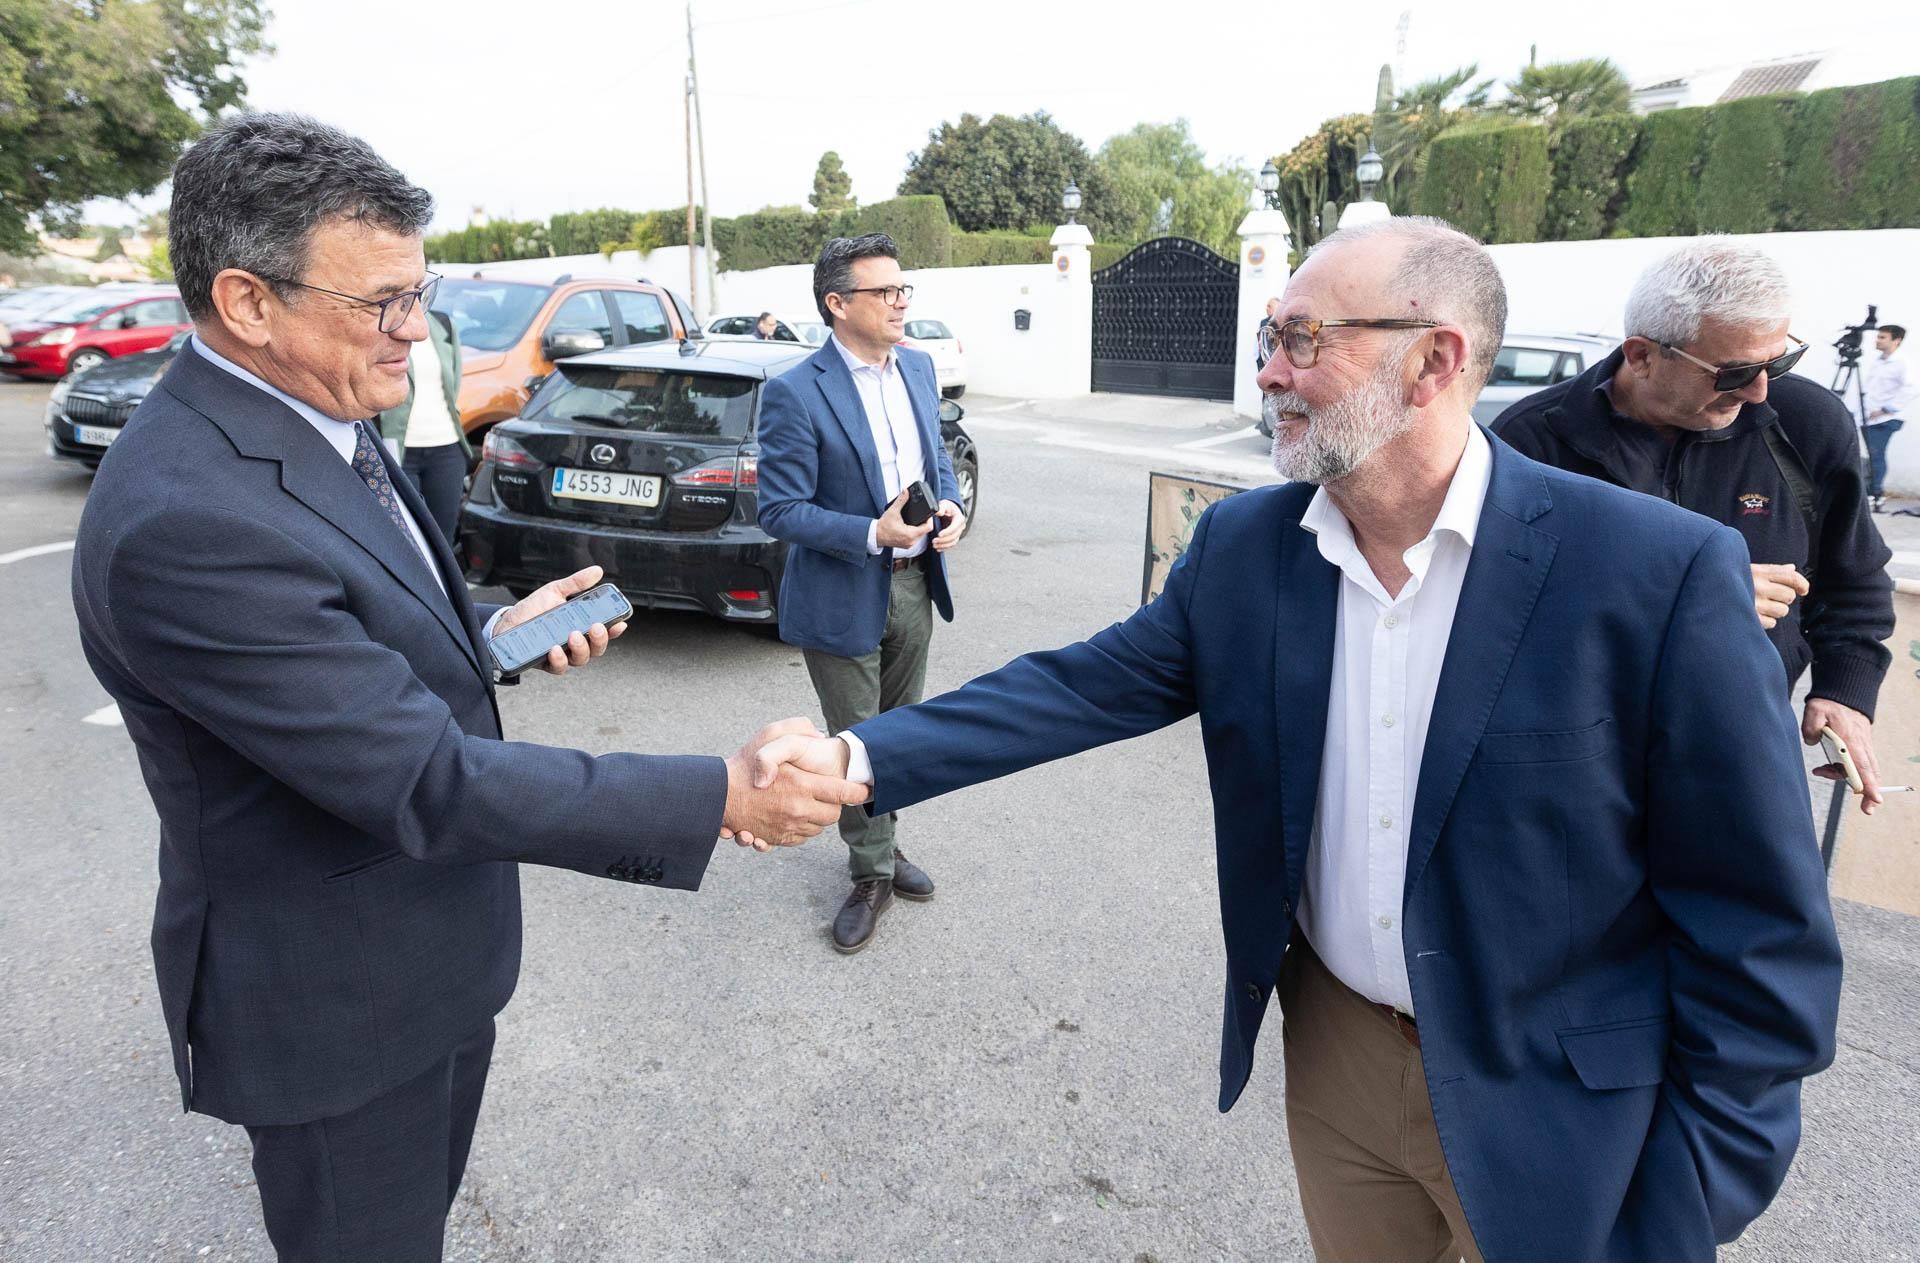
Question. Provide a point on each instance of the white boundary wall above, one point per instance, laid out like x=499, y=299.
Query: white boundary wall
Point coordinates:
x=1582, y=286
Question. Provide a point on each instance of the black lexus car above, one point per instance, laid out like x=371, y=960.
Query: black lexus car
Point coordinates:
x=85, y=411
x=645, y=461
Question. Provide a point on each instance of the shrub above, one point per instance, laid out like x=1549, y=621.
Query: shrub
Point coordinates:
x=1662, y=186
x=1107, y=253
x=771, y=237
x=1853, y=158
x=1491, y=182
x=1746, y=148
x=1589, y=169
x=493, y=242
x=987, y=249
x=917, y=223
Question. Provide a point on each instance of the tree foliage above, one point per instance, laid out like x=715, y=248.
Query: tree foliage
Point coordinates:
x=1562, y=91
x=1318, y=172
x=1414, y=119
x=98, y=99
x=832, y=186
x=1159, y=165
x=1005, y=174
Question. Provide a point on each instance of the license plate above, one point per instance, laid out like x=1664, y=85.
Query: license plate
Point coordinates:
x=94, y=435
x=607, y=487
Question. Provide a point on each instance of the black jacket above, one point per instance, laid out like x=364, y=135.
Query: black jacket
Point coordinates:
x=1737, y=476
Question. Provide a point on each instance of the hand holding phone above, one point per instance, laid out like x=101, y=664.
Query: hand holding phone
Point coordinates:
x=526, y=644
x=1836, y=751
x=920, y=504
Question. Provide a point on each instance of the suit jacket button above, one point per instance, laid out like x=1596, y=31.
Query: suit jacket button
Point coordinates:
x=1253, y=992
x=1286, y=908
x=617, y=871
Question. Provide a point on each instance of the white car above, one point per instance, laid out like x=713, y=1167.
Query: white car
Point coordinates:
x=785, y=328
x=949, y=357
x=1529, y=362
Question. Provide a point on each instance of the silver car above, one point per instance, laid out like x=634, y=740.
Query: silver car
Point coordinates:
x=1528, y=362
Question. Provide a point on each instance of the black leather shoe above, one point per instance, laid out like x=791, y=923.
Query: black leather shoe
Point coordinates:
x=853, y=928
x=910, y=881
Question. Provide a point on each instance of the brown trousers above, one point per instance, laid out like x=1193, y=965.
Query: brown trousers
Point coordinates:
x=1373, y=1180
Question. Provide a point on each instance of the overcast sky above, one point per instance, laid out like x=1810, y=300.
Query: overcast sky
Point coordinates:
x=528, y=109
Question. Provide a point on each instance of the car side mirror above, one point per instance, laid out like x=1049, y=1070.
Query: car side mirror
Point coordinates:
x=562, y=344
x=127, y=321
x=950, y=412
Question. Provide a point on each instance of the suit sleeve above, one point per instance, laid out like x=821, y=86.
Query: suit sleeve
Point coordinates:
x=1849, y=614
x=790, y=480
x=948, y=486
x=1754, y=965
x=1133, y=678
x=245, y=632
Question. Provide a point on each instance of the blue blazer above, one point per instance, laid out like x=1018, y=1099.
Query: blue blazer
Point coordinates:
x=820, y=489
x=1615, y=920
x=315, y=721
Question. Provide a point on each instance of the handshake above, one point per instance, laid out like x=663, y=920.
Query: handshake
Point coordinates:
x=786, y=784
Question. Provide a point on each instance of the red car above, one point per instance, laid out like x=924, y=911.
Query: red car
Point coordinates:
x=91, y=329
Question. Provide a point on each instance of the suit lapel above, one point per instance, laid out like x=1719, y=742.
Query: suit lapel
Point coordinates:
x=448, y=565
x=1305, y=612
x=1503, y=581
x=836, y=384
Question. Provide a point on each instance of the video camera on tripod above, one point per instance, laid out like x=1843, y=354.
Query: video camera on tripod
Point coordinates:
x=1849, y=343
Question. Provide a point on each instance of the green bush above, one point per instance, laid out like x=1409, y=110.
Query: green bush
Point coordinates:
x=917, y=223
x=1853, y=158
x=988, y=249
x=1107, y=253
x=1662, y=188
x=1490, y=182
x=493, y=242
x=583, y=232
x=1589, y=169
x=1746, y=147
x=771, y=237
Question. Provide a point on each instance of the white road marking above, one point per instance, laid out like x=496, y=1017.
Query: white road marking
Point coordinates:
x=38, y=550
x=107, y=716
x=1217, y=440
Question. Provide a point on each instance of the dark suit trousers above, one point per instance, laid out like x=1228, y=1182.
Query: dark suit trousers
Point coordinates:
x=375, y=1185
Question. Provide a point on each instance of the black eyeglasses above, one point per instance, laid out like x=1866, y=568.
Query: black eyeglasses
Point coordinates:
x=891, y=295
x=1730, y=377
x=1300, y=339
x=393, y=311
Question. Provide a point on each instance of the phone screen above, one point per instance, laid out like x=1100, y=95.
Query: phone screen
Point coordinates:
x=515, y=650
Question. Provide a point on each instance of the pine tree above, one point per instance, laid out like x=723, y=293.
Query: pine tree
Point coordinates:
x=832, y=186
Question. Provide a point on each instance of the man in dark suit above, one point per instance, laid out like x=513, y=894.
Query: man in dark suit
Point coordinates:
x=842, y=438
x=298, y=663
x=1510, y=816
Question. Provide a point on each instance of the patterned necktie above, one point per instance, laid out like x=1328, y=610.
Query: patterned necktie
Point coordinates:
x=373, y=472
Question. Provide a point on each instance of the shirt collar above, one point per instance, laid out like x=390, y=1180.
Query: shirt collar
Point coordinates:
x=855, y=364
x=318, y=419
x=1459, y=512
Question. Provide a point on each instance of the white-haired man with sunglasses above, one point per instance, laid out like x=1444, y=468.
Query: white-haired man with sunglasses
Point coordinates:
x=1697, y=406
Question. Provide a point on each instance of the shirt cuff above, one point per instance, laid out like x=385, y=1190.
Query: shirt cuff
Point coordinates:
x=873, y=538
x=859, y=766
x=486, y=633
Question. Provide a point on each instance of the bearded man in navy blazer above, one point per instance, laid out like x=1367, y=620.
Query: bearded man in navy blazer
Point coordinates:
x=1509, y=807
x=308, y=685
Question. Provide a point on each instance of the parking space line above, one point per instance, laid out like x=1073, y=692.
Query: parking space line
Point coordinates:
x=107, y=716
x=38, y=550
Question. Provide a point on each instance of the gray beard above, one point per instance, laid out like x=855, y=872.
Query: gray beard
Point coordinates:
x=1339, y=437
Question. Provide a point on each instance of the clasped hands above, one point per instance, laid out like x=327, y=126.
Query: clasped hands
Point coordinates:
x=785, y=785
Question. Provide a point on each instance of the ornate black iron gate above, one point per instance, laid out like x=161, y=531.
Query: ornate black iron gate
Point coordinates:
x=1163, y=321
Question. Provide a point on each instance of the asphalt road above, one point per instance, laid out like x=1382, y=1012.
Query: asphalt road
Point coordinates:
x=1023, y=1068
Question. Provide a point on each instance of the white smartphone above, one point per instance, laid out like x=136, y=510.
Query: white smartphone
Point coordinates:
x=1836, y=752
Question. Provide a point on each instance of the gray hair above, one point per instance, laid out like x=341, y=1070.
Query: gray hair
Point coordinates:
x=1711, y=278
x=833, y=270
x=1445, y=275
x=250, y=192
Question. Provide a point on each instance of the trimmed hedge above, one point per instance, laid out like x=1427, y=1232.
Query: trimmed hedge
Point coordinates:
x=1105, y=254
x=1490, y=182
x=772, y=237
x=917, y=223
x=1663, y=188
x=1853, y=158
x=493, y=242
x=1746, y=143
x=1589, y=177
x=990, y=249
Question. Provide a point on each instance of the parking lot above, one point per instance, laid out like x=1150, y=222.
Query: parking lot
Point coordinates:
x=1023, y=1068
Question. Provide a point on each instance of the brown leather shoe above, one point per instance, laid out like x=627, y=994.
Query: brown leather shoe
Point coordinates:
x=853, y=928
x=910, y=881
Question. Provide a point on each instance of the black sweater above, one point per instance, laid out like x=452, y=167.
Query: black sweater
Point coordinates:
x=1733, y=476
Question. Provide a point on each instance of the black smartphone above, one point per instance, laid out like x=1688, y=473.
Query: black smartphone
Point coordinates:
x=526, y=645
x=920, y=504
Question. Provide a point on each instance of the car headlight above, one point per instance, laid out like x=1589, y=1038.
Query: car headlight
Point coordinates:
x=59, y=337
x=61, y=390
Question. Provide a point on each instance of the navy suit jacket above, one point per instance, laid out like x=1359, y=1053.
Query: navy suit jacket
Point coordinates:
x=1615, y=920
x=315, y=721
x=820, y=488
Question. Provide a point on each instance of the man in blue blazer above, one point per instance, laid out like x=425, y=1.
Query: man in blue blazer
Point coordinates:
x=292, y=647
x=1510, y=814
x=842, y=438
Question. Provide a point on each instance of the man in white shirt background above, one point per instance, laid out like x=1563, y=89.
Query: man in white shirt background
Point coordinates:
x=1509, y=811
x=1887, y=402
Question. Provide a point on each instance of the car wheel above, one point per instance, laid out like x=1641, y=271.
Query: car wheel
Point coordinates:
x=953, y=392
x=80, y=361
x=966, y=473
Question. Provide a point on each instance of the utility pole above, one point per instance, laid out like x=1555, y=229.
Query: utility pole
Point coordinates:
x=693, y=281
x=700, y=133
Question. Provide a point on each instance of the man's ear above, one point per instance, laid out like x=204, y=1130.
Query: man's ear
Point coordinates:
x=1640, y=353
x=836, y=307
x=243, y=303
x=1440, y=365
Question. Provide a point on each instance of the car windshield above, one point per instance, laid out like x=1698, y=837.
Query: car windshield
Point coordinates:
x=81, y=307
x=931, y=329
x=652, y=401
x=488, y=315
x=811, y=332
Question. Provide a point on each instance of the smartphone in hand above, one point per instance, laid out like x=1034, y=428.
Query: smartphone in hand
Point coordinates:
x=527, y=644
x=1836, y=751
x=920, y=504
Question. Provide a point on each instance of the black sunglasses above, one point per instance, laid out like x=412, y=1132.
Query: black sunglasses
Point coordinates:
x=1730, y=377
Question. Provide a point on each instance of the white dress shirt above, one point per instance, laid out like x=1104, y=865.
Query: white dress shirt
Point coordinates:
x=429, y=420
x=1387, y=654
x=896, y=436
x=340, y=435
x=1885, y=388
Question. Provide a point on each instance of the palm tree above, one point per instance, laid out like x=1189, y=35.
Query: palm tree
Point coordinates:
x=1565, y=90
x=1417, y=116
